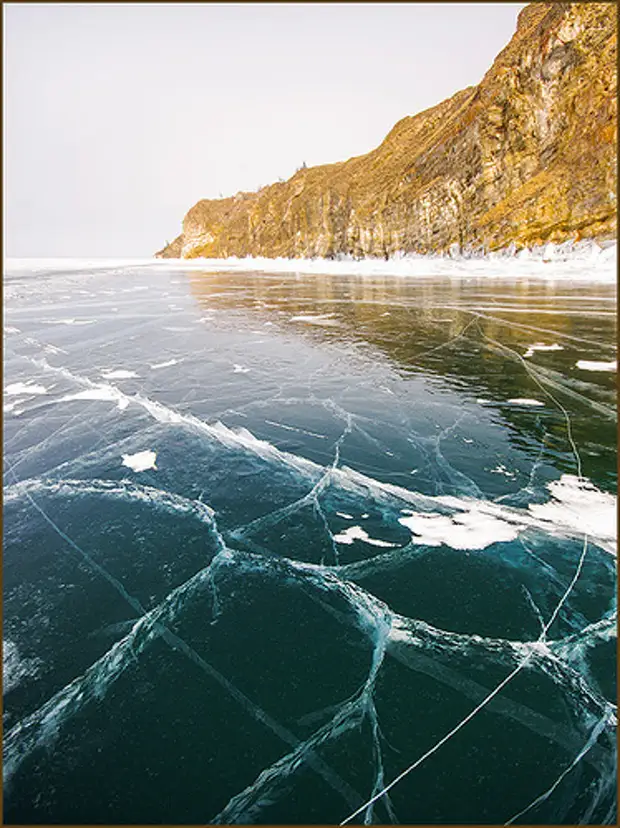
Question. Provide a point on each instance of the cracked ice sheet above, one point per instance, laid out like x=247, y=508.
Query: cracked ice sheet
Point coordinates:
x=177, y=614
x=354, y=492
x=363, y=614
x=486, y=516
x=37, y=618
x=243, y=439
x=376, y=427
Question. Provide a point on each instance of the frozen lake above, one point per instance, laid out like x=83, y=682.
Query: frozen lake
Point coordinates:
x=274, y=541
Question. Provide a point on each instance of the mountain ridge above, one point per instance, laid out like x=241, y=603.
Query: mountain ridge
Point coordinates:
x=525, y=157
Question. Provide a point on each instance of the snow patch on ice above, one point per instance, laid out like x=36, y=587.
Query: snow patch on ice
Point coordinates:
x=164, y=364
x=17, y=388
x=118, y=374
x=540, y=346
x=315, y=319
x=501, y=469
x=524, y=401
x=105, y=393
x=52, y=349
x=141, y=461
x=512, y=401
x=357, y=533
x=577, y=504
x=472, y=529
x=71, y=321
x=15, y=668
x=587, y=365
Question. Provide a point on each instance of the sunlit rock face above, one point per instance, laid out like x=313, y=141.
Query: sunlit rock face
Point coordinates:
x=527, y=156
x=171, y=250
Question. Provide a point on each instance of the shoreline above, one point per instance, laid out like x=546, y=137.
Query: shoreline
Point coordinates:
x=582, y=261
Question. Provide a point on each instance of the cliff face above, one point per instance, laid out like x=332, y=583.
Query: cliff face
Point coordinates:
x=527, y=156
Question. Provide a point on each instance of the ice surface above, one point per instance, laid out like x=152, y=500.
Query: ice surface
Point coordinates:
x=596, y=732
x=481, y=519
x=323, y=414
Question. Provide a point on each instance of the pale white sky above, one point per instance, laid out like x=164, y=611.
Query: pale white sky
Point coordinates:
x=119, y=117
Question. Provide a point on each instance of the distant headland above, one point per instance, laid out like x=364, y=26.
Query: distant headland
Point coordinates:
x=526, y=157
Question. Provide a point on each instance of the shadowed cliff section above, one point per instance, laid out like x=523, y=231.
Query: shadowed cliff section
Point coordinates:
x=525, y=157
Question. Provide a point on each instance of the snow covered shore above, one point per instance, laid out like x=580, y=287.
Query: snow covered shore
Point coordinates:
x=587, y=260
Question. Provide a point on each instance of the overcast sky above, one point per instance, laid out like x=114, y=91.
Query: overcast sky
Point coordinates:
x=119, y=117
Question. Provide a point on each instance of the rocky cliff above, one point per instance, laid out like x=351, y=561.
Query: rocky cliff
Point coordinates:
x=525, y=157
